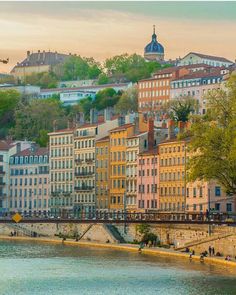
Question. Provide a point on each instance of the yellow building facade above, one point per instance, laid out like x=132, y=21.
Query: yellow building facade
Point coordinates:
x=172, y=175
x=103, y=173
x=118, y=150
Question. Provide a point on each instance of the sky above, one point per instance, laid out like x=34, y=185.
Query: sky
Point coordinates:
x=104, y=29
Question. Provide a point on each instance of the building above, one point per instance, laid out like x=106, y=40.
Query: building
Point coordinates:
x=37, y=62
x=103, y=173
x=172, y=175
x=154, y=92
x=70, y=96
x=29, y=182
x=202, y=196
x=197, y=85
x=85, y=164
x=199, y=58
x=147, y=181
x=84, y=185
x=118, y=150
x=61, y=150
x=31, y=90
x=7, y=149
x=154, y=51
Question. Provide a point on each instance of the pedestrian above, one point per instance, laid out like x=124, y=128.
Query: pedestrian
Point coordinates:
x=210, y=249
x=213, y=251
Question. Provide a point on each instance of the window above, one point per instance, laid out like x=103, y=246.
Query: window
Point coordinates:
x=229, y=207
x=217, y=206
x=217, y=191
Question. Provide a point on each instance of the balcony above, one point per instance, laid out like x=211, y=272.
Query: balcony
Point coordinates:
x=83, y=174
x=89, y=161
x=78, y=161
x=83, y=188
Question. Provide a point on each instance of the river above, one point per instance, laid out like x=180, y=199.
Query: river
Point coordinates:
x=47, y=269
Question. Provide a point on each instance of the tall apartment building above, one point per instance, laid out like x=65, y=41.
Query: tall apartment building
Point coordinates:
x=103, y=173
x=84, y=149
x=172, y=175
x=7, y=149
x=29, y=182
x=61, y=150
x=118, y=150
x=147, y=181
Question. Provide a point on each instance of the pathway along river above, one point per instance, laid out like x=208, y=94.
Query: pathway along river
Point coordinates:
x=45, y=269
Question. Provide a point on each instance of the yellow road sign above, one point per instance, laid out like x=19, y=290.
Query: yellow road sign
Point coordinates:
x=17, y=217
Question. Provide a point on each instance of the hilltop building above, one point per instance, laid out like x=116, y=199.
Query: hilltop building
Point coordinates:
x=199, y=58
x=38, y=62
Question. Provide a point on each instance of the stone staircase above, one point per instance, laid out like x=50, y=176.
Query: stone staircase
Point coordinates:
x=114, y=232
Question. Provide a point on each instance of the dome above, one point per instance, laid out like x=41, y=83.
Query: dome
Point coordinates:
x=154, y=48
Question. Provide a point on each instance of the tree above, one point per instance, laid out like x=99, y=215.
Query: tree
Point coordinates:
x=8, y=102
x=181, y=108
x=77, y=67
x=35, y=118
x=44, y=79
x=106, y=98
x=128, y=101
x=103, y=79
x=130, y=67
x=213, y=139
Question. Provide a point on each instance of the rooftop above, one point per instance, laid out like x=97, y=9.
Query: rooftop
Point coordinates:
x=122, y=127
x=5, y=145
x=202, y=74
x=36, y=151
x=42, y=58
x=212, y=57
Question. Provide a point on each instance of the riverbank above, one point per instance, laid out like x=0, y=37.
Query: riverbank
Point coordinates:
x=125, y=247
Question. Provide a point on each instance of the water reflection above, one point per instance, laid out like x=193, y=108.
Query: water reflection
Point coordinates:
x=33, y=268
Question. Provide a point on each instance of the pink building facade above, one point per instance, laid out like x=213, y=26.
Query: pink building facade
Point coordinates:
x=147, y=181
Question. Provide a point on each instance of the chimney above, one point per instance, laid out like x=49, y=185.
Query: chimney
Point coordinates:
x=79, y=119
x=136, y=125
x=121, y=120
x=108, y=113
x=150, y=133
x=171, y=129
x=93, y=116
x=44, y=55
x=28, y=55
x=54, y=125
x=181, y=126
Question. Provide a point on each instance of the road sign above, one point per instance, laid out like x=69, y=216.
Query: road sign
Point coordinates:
x=17, y=217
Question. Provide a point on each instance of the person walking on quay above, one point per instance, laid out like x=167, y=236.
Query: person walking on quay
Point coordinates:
x=210, y=250
x=213, y=251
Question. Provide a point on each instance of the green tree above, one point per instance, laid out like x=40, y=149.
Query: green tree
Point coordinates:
x=180, y=109
x=103, y=79
x=128, y=101
x=44, y=79
x=8, y=102
x=213, y=139
x=106, y=98
x=130, y=67
x=35, y=118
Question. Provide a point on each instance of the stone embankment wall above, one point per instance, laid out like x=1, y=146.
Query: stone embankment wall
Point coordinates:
x=223, y=238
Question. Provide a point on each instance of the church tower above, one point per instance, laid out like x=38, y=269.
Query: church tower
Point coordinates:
x=154, y=51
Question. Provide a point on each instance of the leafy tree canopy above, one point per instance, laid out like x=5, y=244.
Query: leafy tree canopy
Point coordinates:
x=128, y=101
x=213, y=143
x=180, y=109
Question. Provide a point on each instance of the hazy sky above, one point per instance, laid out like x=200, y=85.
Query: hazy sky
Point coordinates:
x=103, y=29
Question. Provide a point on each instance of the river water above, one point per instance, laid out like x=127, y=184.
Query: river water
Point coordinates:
x=45, y=269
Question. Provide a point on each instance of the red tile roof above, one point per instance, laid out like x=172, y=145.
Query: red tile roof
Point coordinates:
x=202, y=74
x=122, y=127
x=38, y=151
x=5, y=145
x=106, y=138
